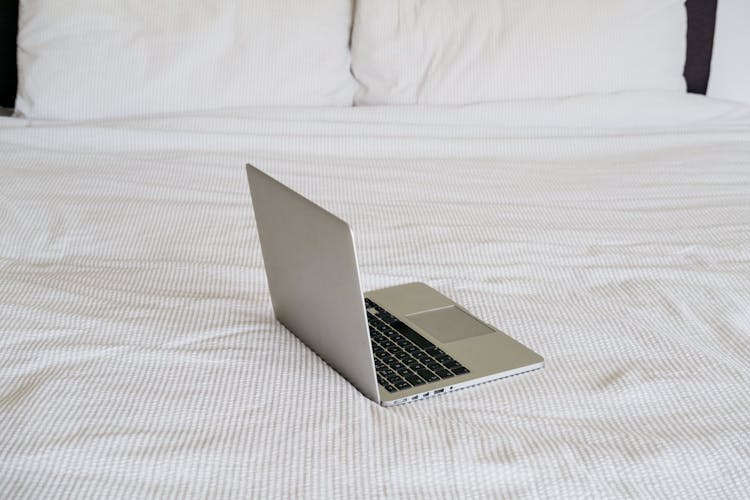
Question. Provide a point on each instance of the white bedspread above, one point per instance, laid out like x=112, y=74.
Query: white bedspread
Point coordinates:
x=139, y=356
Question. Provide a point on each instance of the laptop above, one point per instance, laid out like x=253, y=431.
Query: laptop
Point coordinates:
x=395, y=345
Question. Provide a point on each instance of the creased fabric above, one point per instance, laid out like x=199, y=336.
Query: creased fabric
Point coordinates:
x=139, y=355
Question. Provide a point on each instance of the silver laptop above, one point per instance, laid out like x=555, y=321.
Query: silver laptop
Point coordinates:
x=395, y=345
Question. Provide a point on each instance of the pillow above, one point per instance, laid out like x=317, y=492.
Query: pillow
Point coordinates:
x=730, y=66
x=86, y=59
x=467, y=51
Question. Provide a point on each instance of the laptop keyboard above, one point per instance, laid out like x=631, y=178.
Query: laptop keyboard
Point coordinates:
x=404, y=358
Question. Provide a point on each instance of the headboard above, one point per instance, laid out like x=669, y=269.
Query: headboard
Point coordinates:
x=701, y=22
x=8, y=72
x=700, y=44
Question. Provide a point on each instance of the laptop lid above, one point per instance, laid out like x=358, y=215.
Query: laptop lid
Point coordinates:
x=312, y=272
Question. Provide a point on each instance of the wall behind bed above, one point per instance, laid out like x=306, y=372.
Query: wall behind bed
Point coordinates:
x=701, y=22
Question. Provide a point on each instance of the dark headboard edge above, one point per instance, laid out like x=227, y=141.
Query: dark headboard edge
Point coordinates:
x=8, y=68
x=700, y=44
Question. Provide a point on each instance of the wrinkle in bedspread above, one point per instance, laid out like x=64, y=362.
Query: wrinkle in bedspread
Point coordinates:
x=139, y=356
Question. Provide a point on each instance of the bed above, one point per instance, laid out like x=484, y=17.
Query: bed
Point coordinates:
x=139, y=354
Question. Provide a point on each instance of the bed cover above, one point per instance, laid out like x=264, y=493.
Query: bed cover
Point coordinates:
x=139, y=355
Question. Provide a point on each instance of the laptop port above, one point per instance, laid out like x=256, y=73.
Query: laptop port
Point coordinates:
x=439, y=391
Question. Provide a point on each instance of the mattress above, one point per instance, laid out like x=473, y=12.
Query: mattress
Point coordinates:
x=140, y=357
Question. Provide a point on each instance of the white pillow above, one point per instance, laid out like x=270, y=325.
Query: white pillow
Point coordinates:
x=83, y=59
x=467, y=51
x=730, y=63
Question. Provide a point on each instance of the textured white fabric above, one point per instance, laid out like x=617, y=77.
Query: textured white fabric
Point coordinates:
x=139, y=356
x=83, y=59
x=451, y=52
x=730, y=63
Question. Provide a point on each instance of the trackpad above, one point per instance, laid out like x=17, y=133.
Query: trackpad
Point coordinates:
x=449, y=324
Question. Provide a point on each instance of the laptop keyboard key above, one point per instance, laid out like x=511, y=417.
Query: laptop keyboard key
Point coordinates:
x=397, y=365
x=409, y=361
x=411, y=348
x=402, y=385
x=435, y=351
